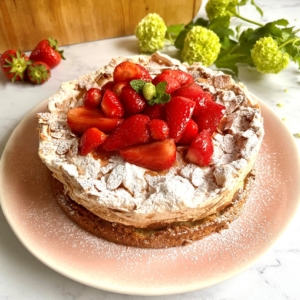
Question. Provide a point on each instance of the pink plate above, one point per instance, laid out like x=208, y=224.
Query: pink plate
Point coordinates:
x=48, y=234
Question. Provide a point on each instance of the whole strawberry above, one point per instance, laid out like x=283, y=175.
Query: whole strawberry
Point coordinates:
x=38, y=72
x=48, y=52
x=13, y=64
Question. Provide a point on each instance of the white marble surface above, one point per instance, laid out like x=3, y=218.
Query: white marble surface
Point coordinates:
x=273, y=276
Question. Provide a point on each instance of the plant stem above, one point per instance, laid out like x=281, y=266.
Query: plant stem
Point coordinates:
x=247, y=20
x=296, y=39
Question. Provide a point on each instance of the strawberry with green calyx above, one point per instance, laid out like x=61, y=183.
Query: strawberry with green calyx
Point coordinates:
x=14, y=64
x=154, y=94
x=48, y=52
x=38, y=72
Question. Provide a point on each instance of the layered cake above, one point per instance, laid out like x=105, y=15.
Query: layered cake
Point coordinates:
x=150, y=152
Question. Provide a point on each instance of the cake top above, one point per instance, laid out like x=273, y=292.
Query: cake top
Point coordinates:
x=100, y=181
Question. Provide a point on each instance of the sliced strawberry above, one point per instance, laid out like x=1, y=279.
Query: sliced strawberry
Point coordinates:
x=156, y=111
x=90, y=140
x=178, y=113
x=132, y=131
x=190, y=132
x=209, y=115
x=201, y=150
x=192, y=91
x=92, y=97
x=107, y=86
x=172, y=83
x=145, y=75
x=117, y=87
x=132, y=101
x=157, y=156
x=127, y=71
x=81, y=118
x=111, y=105
x=158, y=129
x=179, y=75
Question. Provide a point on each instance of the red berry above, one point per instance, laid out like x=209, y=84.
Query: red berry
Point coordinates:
x=90, y=140
x=107, y=86
x=192, y=91
x=117, y=87
x=111, y=105
x=92, y=98
x=158, y=129
x=48, y=52
x=132, y=101
x=132, y=131
x=201, y=150
x=144, y=74
x=172, y=83
x=178, y=113
x=156, y=156
x=82, y=118
x=190, y=132
x=156, y=111
x=127, y=71
x=38, y=72
x=179, y=75
x=209, y=115
x=14, y=64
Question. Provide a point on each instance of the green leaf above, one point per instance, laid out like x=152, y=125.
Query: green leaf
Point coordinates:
x=161, y=95
x=160, y=100
x=161, y=88
x=173, y=31
x=179, y=42
x=137, y=85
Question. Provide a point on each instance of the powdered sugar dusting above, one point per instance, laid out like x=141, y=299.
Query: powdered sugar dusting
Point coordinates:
x=252, y=226
x=152, y=198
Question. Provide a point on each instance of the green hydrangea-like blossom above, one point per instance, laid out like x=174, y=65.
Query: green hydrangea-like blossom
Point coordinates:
x=150, y=33
x=267, y=56
x=220, y=8
x=201, y=45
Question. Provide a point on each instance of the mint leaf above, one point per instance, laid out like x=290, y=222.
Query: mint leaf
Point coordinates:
x=160, y=100
x=161, y=88
x=137, y=85
x=161, y=96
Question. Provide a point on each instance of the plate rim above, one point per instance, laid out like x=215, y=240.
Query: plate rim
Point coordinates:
x=139, y=290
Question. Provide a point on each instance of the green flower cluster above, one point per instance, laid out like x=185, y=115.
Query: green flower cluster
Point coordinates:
x=220, y=8
x=201, y=45
x=150, y=33
x=267, y=56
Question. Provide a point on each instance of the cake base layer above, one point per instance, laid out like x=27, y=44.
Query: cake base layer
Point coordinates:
x=175, y=234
